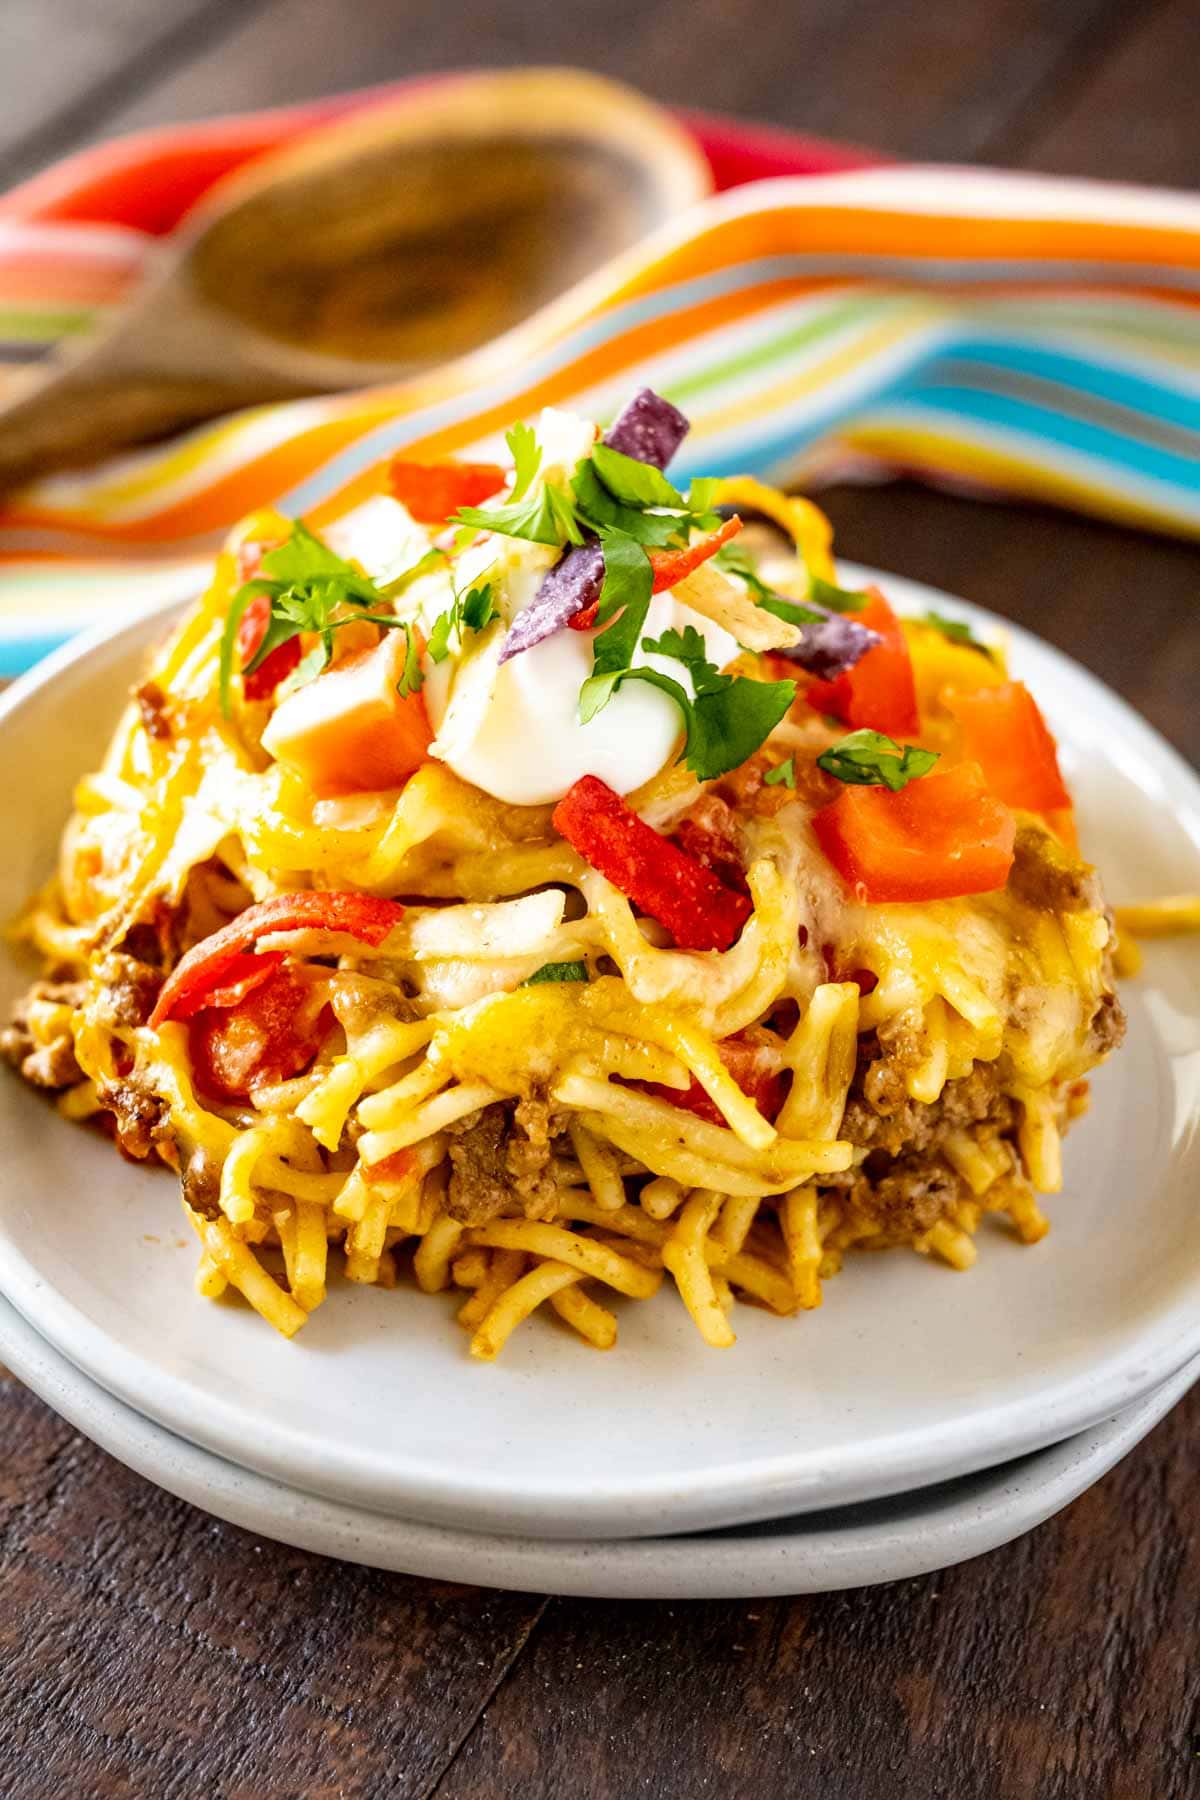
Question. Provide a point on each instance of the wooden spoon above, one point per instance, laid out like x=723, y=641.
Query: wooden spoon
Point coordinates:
x=370, y=251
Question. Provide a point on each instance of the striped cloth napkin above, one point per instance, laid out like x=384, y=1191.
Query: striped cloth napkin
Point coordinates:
x=820, y=317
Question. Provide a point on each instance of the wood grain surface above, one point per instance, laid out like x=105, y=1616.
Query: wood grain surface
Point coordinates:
x=146, y=1650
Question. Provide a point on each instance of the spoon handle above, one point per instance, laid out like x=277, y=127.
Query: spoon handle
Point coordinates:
x=169, y=363
x=75, y=418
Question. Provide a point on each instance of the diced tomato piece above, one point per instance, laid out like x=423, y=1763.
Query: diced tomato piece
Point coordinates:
x=699, y=911
x=260, y=683
x=673, y=566
x=270, y=1035
x=433, y=491
x=221, y=958
x=939, y=837
x=752, y=1067
x=240, y=977
x=350, y=729
x=1004, y=732
x=879, y=691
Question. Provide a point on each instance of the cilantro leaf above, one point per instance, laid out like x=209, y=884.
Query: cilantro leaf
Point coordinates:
x=834, y=598
x=688, y=647
x=439, y=636
x=527, y=458
x=625, y=600
x=471, y=612
x=303, y=557
x=306, y=582
x=958, y=632
x=557, y=971
x=479, y=608
x=793, y=612
x=869, y=759
x=725, y=724
x=609, y=492
x=729, y=723
x=548, y=518
x=599, y=509
x=634, y=483
x=782, y=775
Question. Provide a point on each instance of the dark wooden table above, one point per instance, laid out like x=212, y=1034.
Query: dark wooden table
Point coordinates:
x=146, y=1650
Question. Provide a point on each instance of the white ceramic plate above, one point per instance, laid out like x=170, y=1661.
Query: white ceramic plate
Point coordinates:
x=909, y=1373
x=853, y=1546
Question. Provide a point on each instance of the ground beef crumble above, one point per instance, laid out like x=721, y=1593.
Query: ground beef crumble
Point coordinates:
x=140, y=1120
x=1107, y=1027
x=501, y=1155
x=904, y=1185
x=200, y=1181
x=1044, y=875
x=880, y=1116
x=51, y=1065
x=127, y=989
x=911, y=1196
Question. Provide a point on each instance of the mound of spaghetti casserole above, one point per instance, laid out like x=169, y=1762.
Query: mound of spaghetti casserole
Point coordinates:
x=538, y=881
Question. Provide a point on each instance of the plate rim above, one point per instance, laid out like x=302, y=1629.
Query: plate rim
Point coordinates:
x=724, y=1494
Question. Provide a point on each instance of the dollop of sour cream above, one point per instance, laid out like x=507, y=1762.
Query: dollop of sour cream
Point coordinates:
x=513, y=729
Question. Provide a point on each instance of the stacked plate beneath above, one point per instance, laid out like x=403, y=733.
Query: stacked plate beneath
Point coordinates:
x=848, y=1546
x=863, y=1428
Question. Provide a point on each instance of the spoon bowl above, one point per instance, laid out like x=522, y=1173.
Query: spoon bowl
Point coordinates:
x=370, y=251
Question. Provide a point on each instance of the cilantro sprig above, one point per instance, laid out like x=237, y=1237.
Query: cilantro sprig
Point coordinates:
x=792, y=612
x=473, y=611
x=547, y=517
x=609, y=492
x=309, y=587
x=823, y=594
x=735, y=559
x=869, y=759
